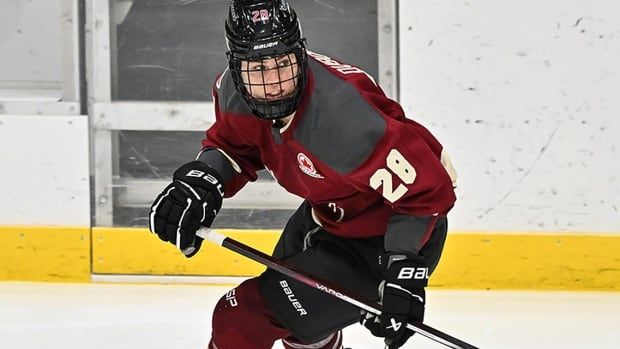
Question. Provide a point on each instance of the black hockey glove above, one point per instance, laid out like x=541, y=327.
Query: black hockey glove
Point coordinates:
x=193, y=199
x=403, y=300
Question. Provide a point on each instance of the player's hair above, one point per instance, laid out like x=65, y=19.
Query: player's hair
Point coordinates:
x=265, y=29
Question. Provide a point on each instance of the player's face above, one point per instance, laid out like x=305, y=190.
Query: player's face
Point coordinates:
x=271, y=78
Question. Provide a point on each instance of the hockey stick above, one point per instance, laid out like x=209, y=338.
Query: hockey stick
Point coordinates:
x=327, y=287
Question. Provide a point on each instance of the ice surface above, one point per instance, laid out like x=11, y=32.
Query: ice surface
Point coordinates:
x=119, y=316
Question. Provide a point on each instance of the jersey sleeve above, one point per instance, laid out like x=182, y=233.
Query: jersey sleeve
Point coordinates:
x=244, y=157
x=406, y=170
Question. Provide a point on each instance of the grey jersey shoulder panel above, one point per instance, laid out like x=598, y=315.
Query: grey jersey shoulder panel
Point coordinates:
x=229, y=99
x=339, y=126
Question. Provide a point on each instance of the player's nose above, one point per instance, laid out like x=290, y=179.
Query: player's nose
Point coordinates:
x=271, y=76
x=273, y=88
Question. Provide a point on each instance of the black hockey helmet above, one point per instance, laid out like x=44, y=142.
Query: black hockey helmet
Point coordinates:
x=262, y=30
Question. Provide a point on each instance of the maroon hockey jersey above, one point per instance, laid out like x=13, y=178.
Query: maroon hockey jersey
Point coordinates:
x=349, y=151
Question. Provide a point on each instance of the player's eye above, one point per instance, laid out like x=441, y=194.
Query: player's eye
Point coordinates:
x=258, y=67
x=284, y=63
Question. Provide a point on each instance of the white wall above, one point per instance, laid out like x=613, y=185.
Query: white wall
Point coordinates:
x=525, y=95
x=44, y=177
x=31, y=40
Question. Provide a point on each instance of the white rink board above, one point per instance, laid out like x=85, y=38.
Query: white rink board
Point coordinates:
x=45, y=170
x=525, y=97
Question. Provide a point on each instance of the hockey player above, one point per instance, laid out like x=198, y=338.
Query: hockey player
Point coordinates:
x=377, y=188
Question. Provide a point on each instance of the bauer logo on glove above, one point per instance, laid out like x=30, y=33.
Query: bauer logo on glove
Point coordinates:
x=192, y=200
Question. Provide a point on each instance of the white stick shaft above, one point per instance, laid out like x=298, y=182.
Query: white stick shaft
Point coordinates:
x=211, y=235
